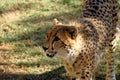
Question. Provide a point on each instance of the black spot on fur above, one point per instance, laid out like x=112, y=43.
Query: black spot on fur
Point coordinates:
x=96, y=7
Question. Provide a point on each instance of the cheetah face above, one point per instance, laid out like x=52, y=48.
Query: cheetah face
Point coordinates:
x=61, y=41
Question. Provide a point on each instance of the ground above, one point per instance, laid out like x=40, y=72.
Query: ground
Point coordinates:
x=23, y=24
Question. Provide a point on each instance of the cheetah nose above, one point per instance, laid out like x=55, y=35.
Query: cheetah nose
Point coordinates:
x=51, y=54
x=44, y=48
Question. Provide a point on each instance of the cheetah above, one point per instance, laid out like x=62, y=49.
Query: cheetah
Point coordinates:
x=81, y=43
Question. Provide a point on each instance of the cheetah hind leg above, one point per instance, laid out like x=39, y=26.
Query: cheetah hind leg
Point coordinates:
x=110, y=73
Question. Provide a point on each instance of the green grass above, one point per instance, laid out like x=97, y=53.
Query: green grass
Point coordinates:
x=73, y=3
x=23, y=26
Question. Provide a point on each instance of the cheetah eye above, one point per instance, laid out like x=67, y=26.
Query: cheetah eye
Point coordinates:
x=56, y=39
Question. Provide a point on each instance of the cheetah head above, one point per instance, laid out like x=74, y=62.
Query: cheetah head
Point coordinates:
x=63, y=40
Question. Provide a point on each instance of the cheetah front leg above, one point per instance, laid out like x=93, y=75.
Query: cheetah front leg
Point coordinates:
x=110, y=74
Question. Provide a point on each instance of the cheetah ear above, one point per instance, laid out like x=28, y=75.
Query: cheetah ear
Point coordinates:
x=56, y=22
x=73, y=31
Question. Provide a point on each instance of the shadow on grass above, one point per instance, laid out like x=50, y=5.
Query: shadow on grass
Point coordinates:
x=56, y=74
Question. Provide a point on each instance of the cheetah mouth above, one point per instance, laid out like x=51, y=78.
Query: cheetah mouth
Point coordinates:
x=51, y=54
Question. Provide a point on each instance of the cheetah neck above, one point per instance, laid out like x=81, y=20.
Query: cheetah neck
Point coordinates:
x=75, y=49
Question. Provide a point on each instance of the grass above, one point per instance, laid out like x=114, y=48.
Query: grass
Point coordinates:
x=23, y=26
